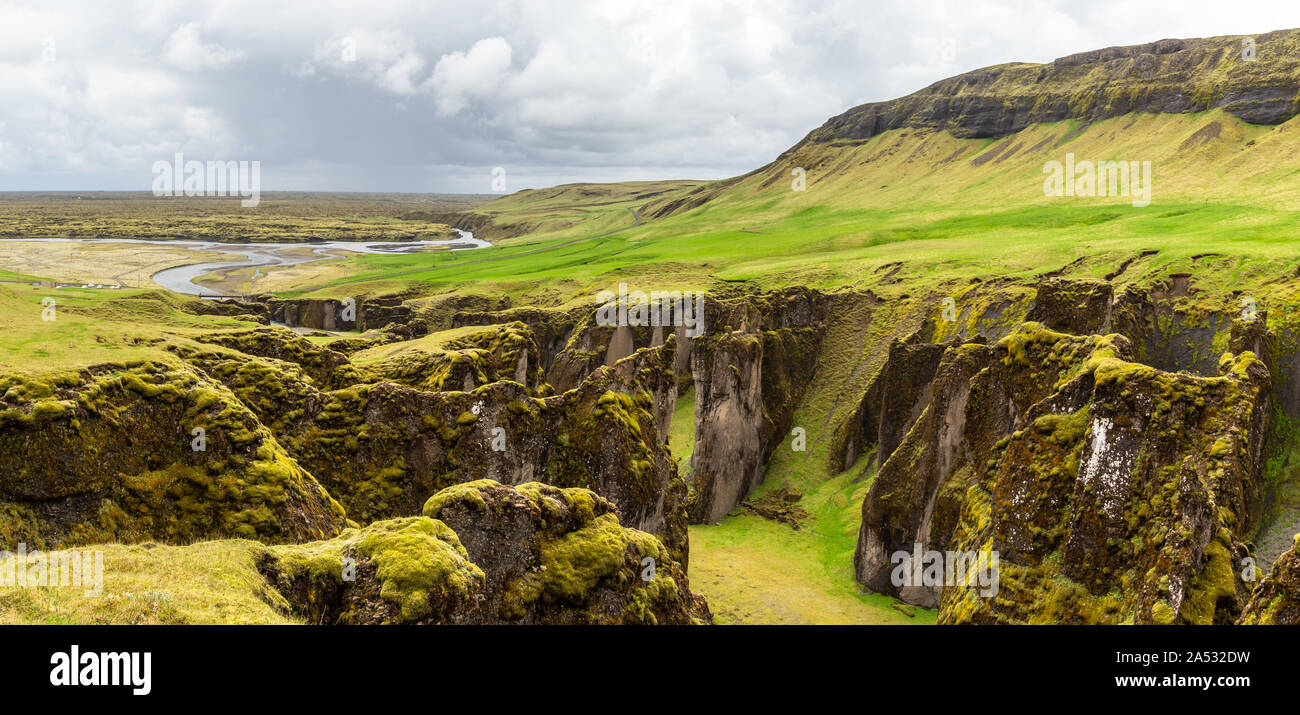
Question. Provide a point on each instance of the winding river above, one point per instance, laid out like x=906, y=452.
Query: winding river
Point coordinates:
x=181, y=278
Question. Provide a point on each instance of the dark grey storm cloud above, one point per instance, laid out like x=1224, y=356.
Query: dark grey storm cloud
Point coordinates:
x=431, y=96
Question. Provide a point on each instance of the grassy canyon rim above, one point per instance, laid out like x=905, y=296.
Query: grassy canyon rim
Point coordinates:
x=910, y=341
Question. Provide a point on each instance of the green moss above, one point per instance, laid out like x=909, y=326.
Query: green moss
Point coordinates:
x=419, y=562
x=1064, y=430
x=48, y=410
x=418, y=558
x=573, y=565
x=467, y=493
x=244, y=484
x=1162, y=614
x=1218, y=579
x=1018, y=343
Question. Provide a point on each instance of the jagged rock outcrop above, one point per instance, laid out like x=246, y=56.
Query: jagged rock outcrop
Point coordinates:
x=728, y=459
x=327, y=368
x=111, y=453
x=891, y=404
x=1072, y=306
x=745, y=402
x=273, y=389
x=589, y=345
x=1112, y=491
x=571, y=343
x=321, y=314
x=1170, y=331
x=483, y=552
x=750, y=370
x=654, y=370
x=378, y=311
x=793, y=327
x=384, y=448
x=354, y=313
x=917, y=493
x=553, y=330
x=1162, y=472
x=473, y=408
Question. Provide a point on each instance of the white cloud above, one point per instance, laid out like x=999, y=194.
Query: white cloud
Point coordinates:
x=387, y=60
x=439, y=92
x=185, y=50
x=460, y=77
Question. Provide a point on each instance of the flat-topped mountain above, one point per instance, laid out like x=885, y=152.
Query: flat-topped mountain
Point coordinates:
x=1255, y=78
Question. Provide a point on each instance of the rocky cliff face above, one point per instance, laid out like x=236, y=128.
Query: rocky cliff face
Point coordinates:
x=917, y=494
x=750, y=370
x=555, y=333
x=892, y=403
x=1162, y=476
x=392, y=432
x=1140, y=487
x=499, y=352
x=314, y=313
x=728, y=459
x=1171, y=76
x=372, y=312
x=385, y=448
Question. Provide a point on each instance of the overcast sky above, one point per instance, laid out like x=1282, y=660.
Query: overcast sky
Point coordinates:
x=372, y=95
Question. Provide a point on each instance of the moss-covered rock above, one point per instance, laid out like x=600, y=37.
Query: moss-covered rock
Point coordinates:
x=114, y=453
x=385, y=448
x=327, y=368
x=1112, y=491
x=411, y=570
x=502, y=352
x=893, y=401
x=570, y=344
x=916, y=494
x=483, y=552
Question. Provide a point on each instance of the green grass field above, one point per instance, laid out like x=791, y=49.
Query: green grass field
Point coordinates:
x=754, y=570
x=946, y=220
